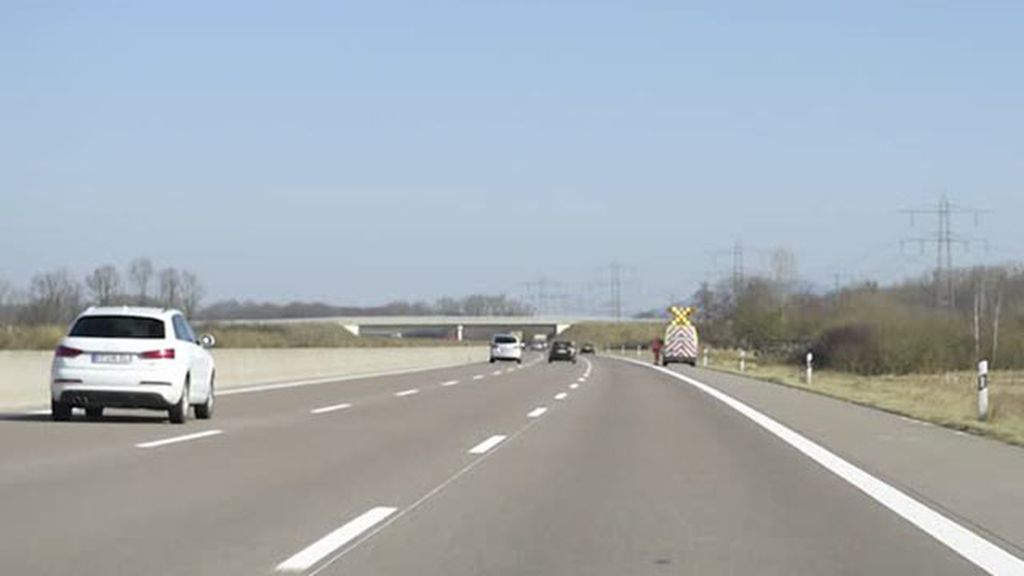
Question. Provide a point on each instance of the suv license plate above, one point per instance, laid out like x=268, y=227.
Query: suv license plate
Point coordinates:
x=111, y=358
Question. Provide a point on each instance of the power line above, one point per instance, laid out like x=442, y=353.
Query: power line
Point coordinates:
x=943, y=238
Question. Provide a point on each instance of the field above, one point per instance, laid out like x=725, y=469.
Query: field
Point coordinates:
x=947, y=399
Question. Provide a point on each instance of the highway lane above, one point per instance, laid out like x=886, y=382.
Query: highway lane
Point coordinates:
x=629, y=472
x=236, y=500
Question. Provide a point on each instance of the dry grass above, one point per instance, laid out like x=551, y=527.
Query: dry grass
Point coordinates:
x=948, y=399
x=30, y=337
x=614, y=334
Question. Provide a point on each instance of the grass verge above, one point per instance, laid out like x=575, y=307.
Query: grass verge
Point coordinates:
x=948, y=399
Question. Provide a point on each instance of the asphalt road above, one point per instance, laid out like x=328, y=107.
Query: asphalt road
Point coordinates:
x=599, y=468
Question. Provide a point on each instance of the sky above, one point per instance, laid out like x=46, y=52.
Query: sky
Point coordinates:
x=359, y=152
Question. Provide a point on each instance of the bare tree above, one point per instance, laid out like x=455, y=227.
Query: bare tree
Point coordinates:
x=104, y=284
x=191, y=293
x=54, y=298
x=140, y=272
x=6, y=302
x=170, y=287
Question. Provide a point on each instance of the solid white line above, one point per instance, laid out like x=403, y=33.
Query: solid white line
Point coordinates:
x=478, y=377
x=327, y=409
x=486, y=445
x=318, y=550
x=537, y=412
x=561, y=396
x=177, y=439
x=981, y=552
x=408, y=392
x=450, y=383
x=573, y=386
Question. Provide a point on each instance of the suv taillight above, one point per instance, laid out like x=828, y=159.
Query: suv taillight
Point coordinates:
x=67, y=352
x=166, y=354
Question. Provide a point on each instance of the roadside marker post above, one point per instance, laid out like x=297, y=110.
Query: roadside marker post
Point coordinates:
x=810, y=368
x=743, y=360
x=638, y=351
x=983, y=390
x=704, y=359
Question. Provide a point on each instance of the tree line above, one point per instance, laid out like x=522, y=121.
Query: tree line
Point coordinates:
x=57, y=296
x=472, y=305
x=872, y=329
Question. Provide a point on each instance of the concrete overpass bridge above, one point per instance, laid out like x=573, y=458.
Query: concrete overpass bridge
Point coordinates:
x=448, y=327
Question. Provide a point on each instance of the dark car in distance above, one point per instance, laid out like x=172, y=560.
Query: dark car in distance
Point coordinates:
x=588, y=348
x=563, y=351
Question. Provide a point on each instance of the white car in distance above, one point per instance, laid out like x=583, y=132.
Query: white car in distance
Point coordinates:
x=127, y=357
x=506, y=347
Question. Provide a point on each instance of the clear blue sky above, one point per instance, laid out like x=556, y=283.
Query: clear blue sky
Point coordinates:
x=361, y=152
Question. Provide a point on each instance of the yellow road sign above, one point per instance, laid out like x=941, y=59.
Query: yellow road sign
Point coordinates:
x=680, y=315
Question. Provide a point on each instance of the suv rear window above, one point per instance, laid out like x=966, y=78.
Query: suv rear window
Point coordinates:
x=118, y=327
x=505, y=340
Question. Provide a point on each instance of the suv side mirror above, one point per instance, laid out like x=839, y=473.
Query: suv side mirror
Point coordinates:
x=207, y=341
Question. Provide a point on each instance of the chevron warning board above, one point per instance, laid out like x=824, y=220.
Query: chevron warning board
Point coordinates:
x=681, y=341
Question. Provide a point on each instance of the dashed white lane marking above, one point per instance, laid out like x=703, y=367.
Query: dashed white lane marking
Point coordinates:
x=561, y=396
x=510, y=370
x=486, y=445
x=408, y=392
x=573, y=386
x=177, y=439
x=449, y=383
x=478, y=377
x=581, y=379
x=416, y=505
x=537, y=412
x=496, y=373
x=319, y=550
x=981, y=552
x=333, y=408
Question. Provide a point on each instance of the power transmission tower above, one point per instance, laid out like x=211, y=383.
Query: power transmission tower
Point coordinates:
x=615, y=288
x=943, y=238
x=738, y=267
x=543, y=294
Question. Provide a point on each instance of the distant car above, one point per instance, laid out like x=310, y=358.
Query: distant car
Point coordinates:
x=121, y=357
x=587, y=348
x=562, y=350
x=506, y=347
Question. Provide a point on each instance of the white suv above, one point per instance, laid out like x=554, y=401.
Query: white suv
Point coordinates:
x=121, y=357
x=506, y=347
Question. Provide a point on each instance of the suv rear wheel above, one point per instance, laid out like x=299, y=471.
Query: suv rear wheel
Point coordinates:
x=205, y=410
x=178, y=413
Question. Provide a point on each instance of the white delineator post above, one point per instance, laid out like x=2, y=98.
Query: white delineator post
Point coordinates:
x=983, y=390
x=743, y=360
x=704, y=359
x=638, y=351
x=810, y=367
